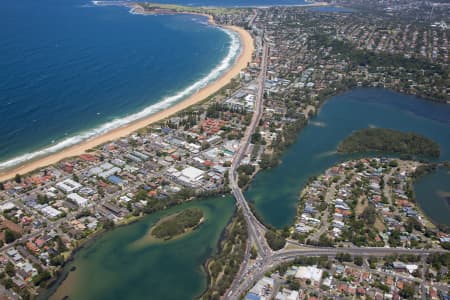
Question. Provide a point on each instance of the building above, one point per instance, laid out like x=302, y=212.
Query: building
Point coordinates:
x=68, y=186
x=80, y=201
x=310, y=272
x=190, y=175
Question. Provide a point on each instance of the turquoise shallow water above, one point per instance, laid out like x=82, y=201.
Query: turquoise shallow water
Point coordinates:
x=111, y=268
x=275, y=192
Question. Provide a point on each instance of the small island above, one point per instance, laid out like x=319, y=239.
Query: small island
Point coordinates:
x=389, y=141
x=177, y=224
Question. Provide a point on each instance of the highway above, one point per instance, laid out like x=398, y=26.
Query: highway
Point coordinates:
x=253, y=270
x=256, y=229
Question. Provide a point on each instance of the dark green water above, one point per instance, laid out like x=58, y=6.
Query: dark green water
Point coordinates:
x=275, y=192
x=112, y=269
x=433, y=195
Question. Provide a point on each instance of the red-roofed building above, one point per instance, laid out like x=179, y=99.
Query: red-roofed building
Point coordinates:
x=433, y=293
x=88, y=157
x=360, y=291
x=208, y=163
x=212, y=126
x=32, y=247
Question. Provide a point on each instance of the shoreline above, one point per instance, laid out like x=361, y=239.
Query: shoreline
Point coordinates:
x=241, y=62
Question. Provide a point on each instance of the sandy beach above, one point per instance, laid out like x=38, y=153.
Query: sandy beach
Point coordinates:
x=240, y=63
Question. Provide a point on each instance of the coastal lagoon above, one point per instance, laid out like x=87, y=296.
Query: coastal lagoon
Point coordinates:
x=112, y=267
x=275, y=192
x=433, y=195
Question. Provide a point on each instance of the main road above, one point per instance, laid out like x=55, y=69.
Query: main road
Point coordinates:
x=255, y=229
x=259, y=269
x=251, y=271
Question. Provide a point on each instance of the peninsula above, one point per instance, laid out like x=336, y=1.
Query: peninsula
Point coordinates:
x=389, y=141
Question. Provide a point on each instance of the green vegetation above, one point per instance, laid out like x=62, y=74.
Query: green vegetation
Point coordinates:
x=408, y=291
x=11, y=236
x=389, y=141
x=40, y=278
x=172, y=8
x=439, y=260
x=223, y=266
x=245, y=171
x=178, y=224
x=275, y=240
x=419, y=70
x=18, y=178
x=286, y=138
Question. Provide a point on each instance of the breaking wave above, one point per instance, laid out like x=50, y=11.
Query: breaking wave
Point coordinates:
x=227, y=62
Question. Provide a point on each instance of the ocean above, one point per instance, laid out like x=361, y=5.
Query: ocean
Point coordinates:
x=71, y=70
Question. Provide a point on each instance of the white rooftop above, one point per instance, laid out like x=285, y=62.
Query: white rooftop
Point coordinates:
x=310, y=272
x=192, y=174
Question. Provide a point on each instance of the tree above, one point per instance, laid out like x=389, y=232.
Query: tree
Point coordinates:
x=256, y=138
x=8, y=283
x=246, y=169
x=408, y=291
x=393, y=163
x=41, y=277
x=42, y=199
x=373, y=262
x=108, y=224
x=275, y=240
x=57, y=260
x=293, y=283
x=18, y=178
x=243, y=180
x=358, y=260
x=10, y=269
x=446, y=245
x=412, y=223
x=369, y=215
x=253, y=253
x=10, y=236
